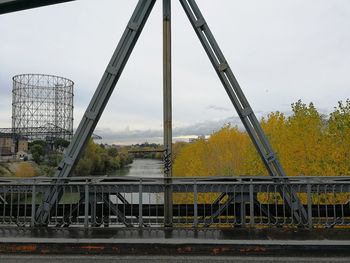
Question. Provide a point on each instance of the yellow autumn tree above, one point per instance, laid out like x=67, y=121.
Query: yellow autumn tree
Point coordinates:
x=299, y=140
x=339, y=138
x=306, y=143
x=25, y=170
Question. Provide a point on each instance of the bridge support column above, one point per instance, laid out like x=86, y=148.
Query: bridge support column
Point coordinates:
x=167, y=114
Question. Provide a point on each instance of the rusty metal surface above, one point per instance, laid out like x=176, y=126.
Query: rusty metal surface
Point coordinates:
x=330, y=242
x=173, y=249
x=164, y=258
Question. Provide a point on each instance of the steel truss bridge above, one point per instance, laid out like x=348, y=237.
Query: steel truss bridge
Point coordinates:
x=170, y=202
x=214, y=202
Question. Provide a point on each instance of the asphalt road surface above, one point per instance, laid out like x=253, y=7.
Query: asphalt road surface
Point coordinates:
x=156, y=259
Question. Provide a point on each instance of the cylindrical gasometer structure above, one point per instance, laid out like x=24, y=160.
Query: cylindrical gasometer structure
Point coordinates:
x=42, y=107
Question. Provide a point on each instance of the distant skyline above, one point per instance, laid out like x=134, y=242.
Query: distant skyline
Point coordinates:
x=280, y=51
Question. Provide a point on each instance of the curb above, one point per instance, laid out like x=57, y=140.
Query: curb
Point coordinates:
x=155, y=247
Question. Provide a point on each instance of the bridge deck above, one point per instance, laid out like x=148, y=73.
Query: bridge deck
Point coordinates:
x=186, y=242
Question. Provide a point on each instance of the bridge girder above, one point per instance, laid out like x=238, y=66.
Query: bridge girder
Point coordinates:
x=9, y=6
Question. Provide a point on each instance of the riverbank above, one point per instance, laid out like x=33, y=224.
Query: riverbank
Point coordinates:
x=17, y=168
x=138, y=168
x=5, y=170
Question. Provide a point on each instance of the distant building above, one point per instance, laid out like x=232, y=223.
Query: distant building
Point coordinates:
x=22, y=155
x=10, y=145
x=22, y=145
x=200, y=137
x=7, y=147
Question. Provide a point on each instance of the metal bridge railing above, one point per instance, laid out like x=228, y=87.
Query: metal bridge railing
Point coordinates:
x=215, y=202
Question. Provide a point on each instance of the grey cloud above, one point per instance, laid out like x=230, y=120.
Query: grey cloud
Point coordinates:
x=207, y=127
x=109, y=135
x=217, y=108
x=293, y=48
x=137, y=136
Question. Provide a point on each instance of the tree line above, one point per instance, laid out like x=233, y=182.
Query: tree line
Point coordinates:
x=99, y=160
x=95, y=160
x=306, y=142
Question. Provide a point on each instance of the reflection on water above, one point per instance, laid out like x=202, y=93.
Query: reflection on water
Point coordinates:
x=142, y=168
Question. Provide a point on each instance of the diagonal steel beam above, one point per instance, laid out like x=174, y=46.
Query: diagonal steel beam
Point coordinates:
x=121, y=216
x=231, y=199
x=96, y=106
x=243, y=108
x=8, y=6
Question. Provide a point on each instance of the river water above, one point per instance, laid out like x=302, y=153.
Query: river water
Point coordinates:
x=142, y=168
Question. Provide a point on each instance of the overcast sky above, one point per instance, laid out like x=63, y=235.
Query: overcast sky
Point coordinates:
x=280, y=51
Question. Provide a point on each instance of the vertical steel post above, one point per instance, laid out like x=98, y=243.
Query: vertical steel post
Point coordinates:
x=309, y=204
x=86, y=207
x=251, y=203
x=167, y=114
x=140, y=205
x=32, y=221
x=195, y=202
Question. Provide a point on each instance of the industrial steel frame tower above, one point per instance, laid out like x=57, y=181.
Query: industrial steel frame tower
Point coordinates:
x=110, y=79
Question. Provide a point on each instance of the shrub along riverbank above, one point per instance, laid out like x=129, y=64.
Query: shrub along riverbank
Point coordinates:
x=96, y=160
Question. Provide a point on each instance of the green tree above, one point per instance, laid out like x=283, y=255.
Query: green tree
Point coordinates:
x=38, y=152
x=97, y=160
x=61, y=143
x=83, y=167
x=113, y=152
